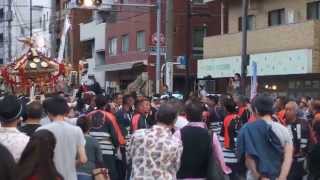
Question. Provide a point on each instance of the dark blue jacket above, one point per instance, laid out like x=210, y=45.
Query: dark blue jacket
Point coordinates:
x=259, y=141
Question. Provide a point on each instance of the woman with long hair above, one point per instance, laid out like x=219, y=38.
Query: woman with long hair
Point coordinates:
x=36, y=162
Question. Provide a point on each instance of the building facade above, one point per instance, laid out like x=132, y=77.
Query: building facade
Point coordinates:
x=93, y=43
x=283, y=39
x=20, y=26
x=130, y=50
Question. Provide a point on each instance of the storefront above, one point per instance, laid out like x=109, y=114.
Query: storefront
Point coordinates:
x=288, y=73
x=119, y=76
x=292, y=86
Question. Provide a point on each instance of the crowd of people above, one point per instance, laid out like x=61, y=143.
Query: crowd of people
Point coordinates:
x=130, y=137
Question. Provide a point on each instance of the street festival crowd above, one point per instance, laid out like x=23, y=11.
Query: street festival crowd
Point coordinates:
x=131, y=137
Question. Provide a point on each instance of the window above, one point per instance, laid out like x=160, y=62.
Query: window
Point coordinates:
x=113, y=47
x=87, y=49
x=44, y=23
x=1, y=14
x=197, y=1
x=198, y=35
x=313, y=10
x=1, y=61
x=141, y=41
x=250, y=23
x=100, y=58
x=277, y=17
x=1, y=40
x=125, y=43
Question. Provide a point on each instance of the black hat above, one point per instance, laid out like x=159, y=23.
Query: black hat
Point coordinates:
x=10, y=108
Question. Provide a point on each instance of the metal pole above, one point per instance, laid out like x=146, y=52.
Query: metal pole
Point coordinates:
x=169, y=44
x=9, y=30
x=30, y=18
x=244, y=56
x=158, y=73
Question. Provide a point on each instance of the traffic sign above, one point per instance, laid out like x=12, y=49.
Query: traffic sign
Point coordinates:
x=182, y=60
x=154, y=39
x=153, y=50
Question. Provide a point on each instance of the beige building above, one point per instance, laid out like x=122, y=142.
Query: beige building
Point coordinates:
x=283, y=39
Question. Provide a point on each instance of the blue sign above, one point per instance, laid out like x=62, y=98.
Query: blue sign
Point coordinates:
x=182, y=60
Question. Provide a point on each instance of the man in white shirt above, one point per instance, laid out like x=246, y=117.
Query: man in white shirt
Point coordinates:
x=70, y=139
x=10, y=137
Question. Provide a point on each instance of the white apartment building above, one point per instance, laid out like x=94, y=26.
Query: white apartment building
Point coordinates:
x=93, y=37
x=20, y=26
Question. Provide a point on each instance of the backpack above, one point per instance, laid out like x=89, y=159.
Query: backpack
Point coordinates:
x=234, y=128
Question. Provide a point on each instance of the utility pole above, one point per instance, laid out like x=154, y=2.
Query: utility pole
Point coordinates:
x=169, y=44
x=30, y=18
x=158, y=58
x=52, y=27
x=244, y=55
x=188, y=48
x=9, y=30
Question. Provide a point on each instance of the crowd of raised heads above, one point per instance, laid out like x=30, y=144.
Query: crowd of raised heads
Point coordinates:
x=90, y=136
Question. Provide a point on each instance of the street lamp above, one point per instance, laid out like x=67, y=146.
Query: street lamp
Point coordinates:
x=88, y=3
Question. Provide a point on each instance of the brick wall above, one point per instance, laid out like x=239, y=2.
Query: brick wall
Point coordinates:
x=77, y=16
x=131, y=21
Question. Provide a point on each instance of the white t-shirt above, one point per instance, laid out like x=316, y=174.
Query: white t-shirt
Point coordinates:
x=282, y=132
x=203, y=93
x=14, y=140
x=284, y=136
x=181, y=122
x=69, y=138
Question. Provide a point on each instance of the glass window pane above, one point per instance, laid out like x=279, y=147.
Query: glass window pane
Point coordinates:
x=197, y=1
x=315, y=84
x=273, y=18
x=125, y=43
x=141, y=41
x=197, y=37
x=291, y=85
x=240, y=24
x=282, y=17
x=307, y=84
x=250, y=23
x=318, y=10
x=311, y=11
x=277, y=17
x=113, y=47
x=1, y=14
